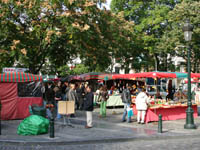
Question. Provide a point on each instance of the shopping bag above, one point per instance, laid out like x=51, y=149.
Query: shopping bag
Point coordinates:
x=66, y=107
x=130, y=112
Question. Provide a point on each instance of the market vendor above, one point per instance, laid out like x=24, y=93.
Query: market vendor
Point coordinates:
x=134, y=89
x=170, y=90
x=112, y=90
x=179, y=95
x=158, y=96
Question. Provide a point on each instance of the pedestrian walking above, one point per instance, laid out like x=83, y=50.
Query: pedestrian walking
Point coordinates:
x=141, y=101
x=126, y=99
x=88, y=106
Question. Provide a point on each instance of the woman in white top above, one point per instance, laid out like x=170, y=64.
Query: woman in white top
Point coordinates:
x=141, y=105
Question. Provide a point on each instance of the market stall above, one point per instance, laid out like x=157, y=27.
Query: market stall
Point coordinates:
x=18, y=90
x=172, y=109
x=113, y=100
x=173, y=112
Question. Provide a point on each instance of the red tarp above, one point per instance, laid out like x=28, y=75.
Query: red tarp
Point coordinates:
x=102, y=76
x=119, y=76
x=14, y=107
x=145, y=75
x=152, y=75
x=195, y=75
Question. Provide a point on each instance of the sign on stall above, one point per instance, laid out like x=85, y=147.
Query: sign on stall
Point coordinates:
x=66, y=107
x=12, y=69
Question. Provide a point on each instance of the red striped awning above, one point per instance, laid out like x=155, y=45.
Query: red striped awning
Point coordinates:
x=19, y=77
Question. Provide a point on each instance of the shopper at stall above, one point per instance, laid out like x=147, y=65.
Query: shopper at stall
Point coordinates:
x=65, y=89
x=126, y=99
x=72, y=96
x=49, y=98
x=88, y=106
x=103, y=97
x=97, y=94
x=58, y=96
x=158, y=96
x=141, y=101
x=112, y=89
x=79, y=91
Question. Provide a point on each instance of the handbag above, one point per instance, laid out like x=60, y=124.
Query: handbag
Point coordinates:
x=99, y=97
x=130, y=112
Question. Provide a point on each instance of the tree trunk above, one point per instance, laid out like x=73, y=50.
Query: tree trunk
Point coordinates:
x=165, y=62
x=156, y=62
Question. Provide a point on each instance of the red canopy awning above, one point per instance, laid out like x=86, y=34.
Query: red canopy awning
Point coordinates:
x=92, y=76
x=195, y=75
x=119, y=76
x=145, y=75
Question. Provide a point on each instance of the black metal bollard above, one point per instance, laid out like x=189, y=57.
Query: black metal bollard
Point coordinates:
x=160, y=124
x=52, y=127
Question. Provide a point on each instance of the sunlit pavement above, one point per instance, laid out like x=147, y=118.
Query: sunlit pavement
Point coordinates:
x=106, y=130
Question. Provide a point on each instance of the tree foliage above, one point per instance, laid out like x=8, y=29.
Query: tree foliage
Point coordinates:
x=151, y=19
x=45, y=35
x=173, y=39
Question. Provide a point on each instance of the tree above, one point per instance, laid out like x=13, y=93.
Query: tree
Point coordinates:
x=150, y=18
x=45, y=35
x=28, y=30
x=173, y=41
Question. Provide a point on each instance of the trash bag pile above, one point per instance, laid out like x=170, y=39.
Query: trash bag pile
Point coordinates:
x=33, y=125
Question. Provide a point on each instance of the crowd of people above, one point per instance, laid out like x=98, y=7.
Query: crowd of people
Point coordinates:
x=141, y=101
x=83, y=97
x=80, y=93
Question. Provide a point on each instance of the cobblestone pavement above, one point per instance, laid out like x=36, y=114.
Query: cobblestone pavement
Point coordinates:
x=184, y=143
x=108, y=133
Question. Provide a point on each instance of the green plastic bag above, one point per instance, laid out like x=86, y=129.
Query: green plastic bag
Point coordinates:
x=33, y=125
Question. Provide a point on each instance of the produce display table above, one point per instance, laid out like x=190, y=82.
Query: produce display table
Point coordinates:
x=197, y=97
x=167, y=112
x=114, y=100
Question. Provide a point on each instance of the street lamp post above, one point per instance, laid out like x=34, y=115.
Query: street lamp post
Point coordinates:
x=187, y=29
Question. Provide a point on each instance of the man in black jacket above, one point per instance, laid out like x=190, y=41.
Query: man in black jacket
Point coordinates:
x=88, y=106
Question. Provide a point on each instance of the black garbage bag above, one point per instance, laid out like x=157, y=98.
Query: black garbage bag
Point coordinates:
x=39, y=110
x=33, y=125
